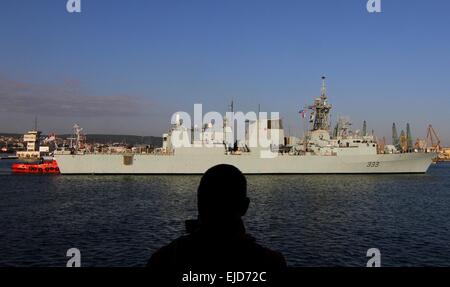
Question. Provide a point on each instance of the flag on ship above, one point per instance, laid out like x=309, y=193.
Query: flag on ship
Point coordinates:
x=302, y=113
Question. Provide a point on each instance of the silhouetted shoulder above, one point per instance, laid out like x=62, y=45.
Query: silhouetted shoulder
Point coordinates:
x=272, y=259
x=166, y=256
x=193, y=251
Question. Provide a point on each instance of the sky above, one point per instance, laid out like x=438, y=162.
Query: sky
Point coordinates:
x=124, y=67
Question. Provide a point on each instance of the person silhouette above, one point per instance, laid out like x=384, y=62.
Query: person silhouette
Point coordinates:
x=219, y=240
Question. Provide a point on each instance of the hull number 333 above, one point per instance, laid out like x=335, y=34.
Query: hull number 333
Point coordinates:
x=373, y=164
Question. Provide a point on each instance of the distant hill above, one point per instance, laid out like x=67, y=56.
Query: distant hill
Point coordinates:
x=108, y=139
x=10, y=135
x=125, y=139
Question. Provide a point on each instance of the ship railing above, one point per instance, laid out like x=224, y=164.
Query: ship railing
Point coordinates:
x=163, y=153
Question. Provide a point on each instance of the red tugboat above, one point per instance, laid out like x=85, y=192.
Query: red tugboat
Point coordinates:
x=45, y=167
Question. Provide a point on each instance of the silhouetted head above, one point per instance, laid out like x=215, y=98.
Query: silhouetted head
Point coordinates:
x=222, y=195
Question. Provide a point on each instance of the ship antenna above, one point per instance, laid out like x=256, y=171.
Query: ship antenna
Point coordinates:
x=324, y=89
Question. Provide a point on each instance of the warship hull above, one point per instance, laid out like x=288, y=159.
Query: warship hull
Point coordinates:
x=198, y=163
x=193, y=150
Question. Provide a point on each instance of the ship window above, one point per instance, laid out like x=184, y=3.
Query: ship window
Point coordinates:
x=127, y=159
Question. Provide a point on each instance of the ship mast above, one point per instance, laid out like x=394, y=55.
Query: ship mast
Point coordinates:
x=320, y=119
x=323, y=93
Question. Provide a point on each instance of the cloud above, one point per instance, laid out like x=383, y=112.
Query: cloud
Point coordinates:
x=65, y=99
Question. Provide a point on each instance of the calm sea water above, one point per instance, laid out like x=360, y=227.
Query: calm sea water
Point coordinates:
x=319, y=220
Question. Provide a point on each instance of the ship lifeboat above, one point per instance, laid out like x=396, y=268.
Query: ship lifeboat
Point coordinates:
x=50, y=167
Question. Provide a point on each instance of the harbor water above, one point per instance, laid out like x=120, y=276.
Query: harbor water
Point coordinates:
x=314, y=220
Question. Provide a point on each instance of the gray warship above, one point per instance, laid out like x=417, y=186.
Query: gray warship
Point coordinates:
x=322, y=150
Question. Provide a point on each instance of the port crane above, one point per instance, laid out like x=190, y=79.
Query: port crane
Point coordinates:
x=433, y=139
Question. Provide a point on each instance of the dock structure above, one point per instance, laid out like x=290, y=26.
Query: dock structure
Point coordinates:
x=31, y=139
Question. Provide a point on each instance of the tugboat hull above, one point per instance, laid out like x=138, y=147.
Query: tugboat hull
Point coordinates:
x=38, y=168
